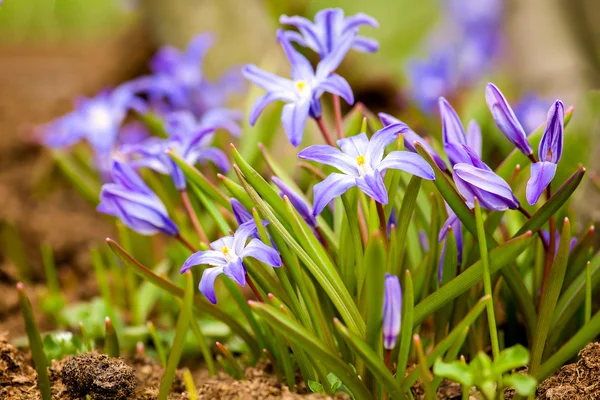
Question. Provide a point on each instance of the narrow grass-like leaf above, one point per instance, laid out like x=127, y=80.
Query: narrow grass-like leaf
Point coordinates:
x=160, y=349
x=181, y=329
x=102, y=279
x=238, y=372
x=319, y=353
x=88, y=188
x=188, y=379
x=588, y=293
x=426, y=376
x=213, y=211
x=406, y=327
x=111, y=341
x=451, y=338
x=35, y=343
x=200, y=303
x=204, y=349
x=550, y=297
x=50, y=268
x=487, y=279
x=197, y=178
x=375, y=260
x=449, y=271
x=577, y=342
x=372, y=361
x=405, y=214
x=451, y=355
x=499, y=257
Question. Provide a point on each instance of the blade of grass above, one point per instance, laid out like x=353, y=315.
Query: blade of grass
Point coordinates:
x=111, y=341
x=160, y=349
x=238, y=372
x=406, y=327
x=204, y=349
x=189, y=384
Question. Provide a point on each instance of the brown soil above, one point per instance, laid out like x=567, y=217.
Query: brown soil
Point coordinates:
x=577, y=381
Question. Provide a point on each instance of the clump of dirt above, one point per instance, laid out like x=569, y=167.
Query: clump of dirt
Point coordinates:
x=99, y=376
x=580, y=380
x=17, y=377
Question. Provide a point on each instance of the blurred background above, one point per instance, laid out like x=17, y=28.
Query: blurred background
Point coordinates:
x=52, y=51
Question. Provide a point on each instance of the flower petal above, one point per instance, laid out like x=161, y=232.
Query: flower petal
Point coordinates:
x=261, y=252
x=308, y=30
x=452, y=128
x=551, y=145
x=293, y=118
x=359, y=19
x=329, y=155
x=333, y=60
x=366, y=45
x=198, y=46
x=267, y=80
x=241, y=235
x=474, y=137
x=264, y=101
x=392, y=311
x=207, y=257
x=380, y=140
x=505, y=119
x=354, y=146
x=299, y=203
x=216, y=156
x=207, y=283
x=493, y=191
x=409, y=162
x=236, y=270
x=301, y=68
x=542, y=174
x=239, y=211
x=337, y=85
x=333, y=186
x=372, y=185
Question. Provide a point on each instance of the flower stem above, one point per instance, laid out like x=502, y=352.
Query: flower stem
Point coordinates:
x=337, y=109
x=382, y=223
x=388, y=356
x=186, y=243
x=254, y=289
x=541, y=235
x=532, y=158
x=190, y=211
x=324, y=131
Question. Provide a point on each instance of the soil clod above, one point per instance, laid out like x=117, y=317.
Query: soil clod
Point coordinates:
x=99, y=376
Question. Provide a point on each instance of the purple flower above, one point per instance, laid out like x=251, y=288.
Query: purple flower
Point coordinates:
x=454, y=137
x=215, y=94
x=187, y=139
x=454, y=222
x=484, y=14
x=239, y=212
x=432, y=78
x=326, y=33
x=473, y=178
x=362, y=163
x=183, y=67
x=549, y=152
x=410, y=137
x=506, y=119
x=392, y=311
x=531, y=110
x=302, y=92
x=301, y=205
x=227, y=257
x=132, y=201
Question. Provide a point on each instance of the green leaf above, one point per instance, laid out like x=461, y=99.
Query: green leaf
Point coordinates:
x=318, y=352
x=181, y=329
x=372, y=361
x=200, y=303
x=499, y=257
x=316, y=387
x=406, y=327
x=36, y=345
x=111, y=341
x=334, y=382
x=511, y=358
x=404, y=217
x=375, y=283
x=88, y=188
x=525, y=385
x=455, y=371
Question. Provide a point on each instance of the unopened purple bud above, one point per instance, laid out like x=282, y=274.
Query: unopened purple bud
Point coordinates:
x=239, y=211
x=303, y=208
x=506, y=119
x=392, y=311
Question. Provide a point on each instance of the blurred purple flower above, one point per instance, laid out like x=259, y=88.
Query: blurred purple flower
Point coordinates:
x=531, y=110
x=506, y=120
x=549, y=152
x=362, y=163
x=227, y=257
x=187, y=139
x=326, y=34
x=432, y=78
x=302, y=92
x=132, y=201
x=410, y=137
x=392, y=311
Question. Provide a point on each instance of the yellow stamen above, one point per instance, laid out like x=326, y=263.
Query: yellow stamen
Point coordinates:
x=225, y=250
x=360, y=160
x=301, y=85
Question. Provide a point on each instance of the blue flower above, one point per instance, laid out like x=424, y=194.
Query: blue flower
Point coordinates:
x=454, y=137
x=132, y=201
x=239, y=212
x=549, y=152
x=431, y=78
x=392, y=311
x=326, y=33
x=362, y=163
x=227, y=257
x=187, y=139
x=410, y=137
x=302, y=92
x=506, y=119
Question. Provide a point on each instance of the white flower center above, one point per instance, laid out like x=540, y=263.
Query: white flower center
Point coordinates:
x=229, y=256
x=363, y=165
x=100, y=117
x=303, y=88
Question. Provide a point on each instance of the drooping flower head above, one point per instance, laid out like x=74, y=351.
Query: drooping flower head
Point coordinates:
x=410, y=137
x=187, y=139
x=324, y=35
x=227, y=257
x=134, y=203
x=549, y=152
x=392, y=311
x=506, y=119
x=362, y=163
x=302, y=92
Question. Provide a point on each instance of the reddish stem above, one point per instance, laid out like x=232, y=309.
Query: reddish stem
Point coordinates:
x=254, y=289
x=388, y=357
x=324, y=131
x=190, y=211
x=186, y=243
x=337, y=109
x=382, y=223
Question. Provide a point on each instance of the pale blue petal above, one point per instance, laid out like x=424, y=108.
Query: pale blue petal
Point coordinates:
x=380, y=140
x=261, y=252
x=264, y=101
x=551, y=145
x=267, y=80
x=207, y=257
x=337, y=85
x=354, y=146
x=207, y=283
x=474, y=137
x=242, y=234
x=236, y=270
x=329, y=64
x=372, y=185
x=328, y=155
x=333, y=186
x=366, y=45
x=406, y=161
x=452, y=128
x=542, y=174
x=293, y=118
